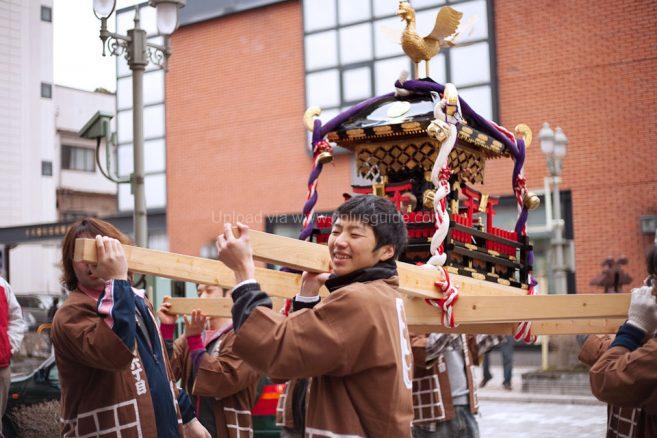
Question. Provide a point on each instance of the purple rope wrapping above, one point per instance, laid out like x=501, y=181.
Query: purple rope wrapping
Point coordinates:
x=319, y=132
x=517, y=168
x=350, y=112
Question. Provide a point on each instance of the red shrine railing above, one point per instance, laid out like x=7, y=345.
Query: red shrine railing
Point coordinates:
x=500, y=247
x=466, y=221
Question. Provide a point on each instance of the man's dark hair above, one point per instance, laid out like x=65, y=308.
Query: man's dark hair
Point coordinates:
x=381, y=215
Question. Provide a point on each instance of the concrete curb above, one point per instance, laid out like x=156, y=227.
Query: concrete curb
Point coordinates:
x=524, y=397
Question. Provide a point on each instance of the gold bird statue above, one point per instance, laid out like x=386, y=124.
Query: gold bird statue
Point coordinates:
x=424, y=48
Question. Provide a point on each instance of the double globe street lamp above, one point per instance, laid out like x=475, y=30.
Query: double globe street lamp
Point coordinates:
x=138, y=52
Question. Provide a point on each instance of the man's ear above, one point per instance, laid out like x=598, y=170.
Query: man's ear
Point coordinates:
x=386, y=252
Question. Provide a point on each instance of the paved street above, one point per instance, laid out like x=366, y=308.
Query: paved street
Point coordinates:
x=541, y=420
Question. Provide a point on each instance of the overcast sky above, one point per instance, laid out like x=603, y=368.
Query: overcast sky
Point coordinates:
x=78, y=60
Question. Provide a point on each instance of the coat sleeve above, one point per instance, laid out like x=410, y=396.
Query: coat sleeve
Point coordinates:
x=225, y=374
x=419, y=349
x=593, y=348
x=17, y=326
x=625, y=378
x=116, y=307
x=177, y=356
x=175, y=349
x=325, y=340
x=83, y=334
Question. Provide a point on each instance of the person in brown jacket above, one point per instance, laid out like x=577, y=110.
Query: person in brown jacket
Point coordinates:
x=292, y=405
x=354, y=344
x=626, y=374
x=621, y=422
x=222, y=386
x=444, y=392
x=114, y=374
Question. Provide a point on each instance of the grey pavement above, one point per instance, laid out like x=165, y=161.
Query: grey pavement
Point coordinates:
x=494, y=391
x=516, y=414
x=524, y=361
x=541, y=420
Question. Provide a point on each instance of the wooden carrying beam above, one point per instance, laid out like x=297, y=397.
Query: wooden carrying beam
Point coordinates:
x=560, y=327
x=413, y=280
x=222, y=307
x=470, y=307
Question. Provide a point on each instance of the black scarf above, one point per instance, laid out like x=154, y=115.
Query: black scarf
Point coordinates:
x=381, y=270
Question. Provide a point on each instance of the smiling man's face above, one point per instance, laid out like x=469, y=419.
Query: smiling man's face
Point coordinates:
x=351, y=246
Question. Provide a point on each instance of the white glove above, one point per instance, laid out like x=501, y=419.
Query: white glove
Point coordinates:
x=643, y=310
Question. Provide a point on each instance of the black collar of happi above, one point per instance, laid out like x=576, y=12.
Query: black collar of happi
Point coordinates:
x=381, y=270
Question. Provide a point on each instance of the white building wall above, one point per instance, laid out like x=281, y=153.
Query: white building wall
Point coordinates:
x=34, y=268
x=12, y=102
x=27, y=125
x=73, y=108
x=29, y=135
x=26, y=119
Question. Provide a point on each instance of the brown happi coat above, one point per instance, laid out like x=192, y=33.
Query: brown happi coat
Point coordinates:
x=285, y=406
x=105, y=390
x=627, y=381
x=354, y=345
x=224, y=377
x=432, y=393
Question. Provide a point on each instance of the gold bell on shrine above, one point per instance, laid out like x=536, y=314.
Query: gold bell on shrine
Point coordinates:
x=427, y=198
x=531, y=201
x=324, y=157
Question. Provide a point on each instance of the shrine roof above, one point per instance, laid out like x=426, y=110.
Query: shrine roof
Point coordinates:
x=380, y=120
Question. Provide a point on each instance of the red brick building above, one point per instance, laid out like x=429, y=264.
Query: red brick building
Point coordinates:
x=236, y=143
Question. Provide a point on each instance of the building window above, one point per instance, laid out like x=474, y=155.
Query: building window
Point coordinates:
x=46, y=14
x=46, y=90
x=78, y=158
x=351, y=52
x=46, y=168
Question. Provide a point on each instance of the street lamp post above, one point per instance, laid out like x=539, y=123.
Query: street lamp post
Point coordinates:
x=553, y=145
x=139, y=52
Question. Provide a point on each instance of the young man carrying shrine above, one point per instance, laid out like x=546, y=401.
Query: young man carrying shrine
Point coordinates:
x=354, y=344
x=222, y=385
x=114, y=373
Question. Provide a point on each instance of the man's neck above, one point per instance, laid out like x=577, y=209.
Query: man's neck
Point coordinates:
x=90, y=291
x=218, y=323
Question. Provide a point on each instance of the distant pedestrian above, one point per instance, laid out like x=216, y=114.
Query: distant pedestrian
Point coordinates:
x=12, y=329
x=506, y=349
x=53, y=308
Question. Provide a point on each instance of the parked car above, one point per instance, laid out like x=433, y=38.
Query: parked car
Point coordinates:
x=39, y=391
x=38, y=308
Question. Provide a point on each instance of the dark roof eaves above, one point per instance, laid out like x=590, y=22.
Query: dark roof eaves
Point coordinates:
x=220, y=11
